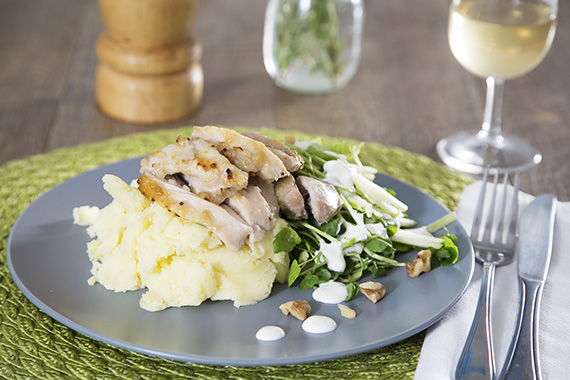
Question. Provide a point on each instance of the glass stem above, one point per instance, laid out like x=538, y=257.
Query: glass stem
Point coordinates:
x=492, y=117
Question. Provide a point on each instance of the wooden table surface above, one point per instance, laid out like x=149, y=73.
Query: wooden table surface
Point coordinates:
x=409, y=90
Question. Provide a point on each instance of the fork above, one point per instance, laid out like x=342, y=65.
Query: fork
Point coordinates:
x=494, y=246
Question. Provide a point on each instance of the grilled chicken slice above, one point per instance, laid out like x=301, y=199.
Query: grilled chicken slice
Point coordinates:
x=199, y=165
x=224, y=225
x=290, y=200
x=267, y=191
x=246, y=153
x=322, y=198
x=254, y=210
x=291, y=159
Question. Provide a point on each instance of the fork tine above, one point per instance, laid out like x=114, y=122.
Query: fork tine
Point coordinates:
x=491, y=210
x=479, y=208
x=511, y=236
x=499, y=236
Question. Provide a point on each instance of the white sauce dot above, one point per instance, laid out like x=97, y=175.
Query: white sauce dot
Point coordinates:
x=270, y=333
x=331, y=292
x=319, y=324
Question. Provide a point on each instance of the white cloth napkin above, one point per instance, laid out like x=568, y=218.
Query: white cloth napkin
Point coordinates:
x=444, y=340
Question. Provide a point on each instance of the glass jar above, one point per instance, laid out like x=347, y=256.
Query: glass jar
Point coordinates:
x=312, y=46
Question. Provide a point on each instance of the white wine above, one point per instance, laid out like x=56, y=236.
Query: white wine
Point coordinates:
x=500, y=40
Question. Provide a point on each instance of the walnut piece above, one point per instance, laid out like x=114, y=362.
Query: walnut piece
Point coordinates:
x=346, y=311
x=374, y=291
x=420, y=264
x=299, y=309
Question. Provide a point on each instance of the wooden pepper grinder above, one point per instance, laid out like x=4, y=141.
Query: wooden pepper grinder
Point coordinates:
x=149, y=67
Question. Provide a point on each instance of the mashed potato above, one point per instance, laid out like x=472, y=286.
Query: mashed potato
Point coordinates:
x=138, y=244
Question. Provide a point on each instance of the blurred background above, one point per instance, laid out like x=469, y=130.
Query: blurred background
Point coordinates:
x=409, y=91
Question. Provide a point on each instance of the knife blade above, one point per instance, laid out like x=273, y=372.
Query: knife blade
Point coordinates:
x=534, y=249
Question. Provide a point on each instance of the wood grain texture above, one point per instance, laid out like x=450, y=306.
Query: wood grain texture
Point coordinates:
x=409, y=91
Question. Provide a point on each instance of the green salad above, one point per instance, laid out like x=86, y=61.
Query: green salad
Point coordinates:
x=368, y=232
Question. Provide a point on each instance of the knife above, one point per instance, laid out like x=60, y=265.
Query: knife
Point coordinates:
x=534, y=249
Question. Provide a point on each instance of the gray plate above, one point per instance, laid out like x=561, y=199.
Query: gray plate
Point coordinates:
x=48, y=260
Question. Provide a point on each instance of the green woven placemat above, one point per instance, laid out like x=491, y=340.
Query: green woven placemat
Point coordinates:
x=34, y=346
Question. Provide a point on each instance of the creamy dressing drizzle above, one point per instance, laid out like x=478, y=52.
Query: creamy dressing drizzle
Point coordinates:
x=331, y=292
x=377, y=229
x=357, y=231
x=333, y=255
x=319, y=324
x=338, y=174
x=270, y=333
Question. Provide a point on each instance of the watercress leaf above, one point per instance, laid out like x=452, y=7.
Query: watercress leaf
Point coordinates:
x=285, y=240
x=354, y=270
x=452, y=237
x=309, y=282
x=401, y=247
x=376, y=245
x=352, y=290
x=323, y=274
x=332, y=227
x=350, y=265
x=294, y=271
x=355, y=276
x=377, y=271
x=434, y=262
x=448, y=253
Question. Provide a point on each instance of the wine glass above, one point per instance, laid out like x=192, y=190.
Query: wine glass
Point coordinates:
x=496, y=40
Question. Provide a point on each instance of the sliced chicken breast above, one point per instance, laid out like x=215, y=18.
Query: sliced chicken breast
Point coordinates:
x=267, y=191
x=229, y=229
x=321, y=197
x=198, y=164
x=290, y=200
x=291, y=159
x=246, y=153
x=254, y=210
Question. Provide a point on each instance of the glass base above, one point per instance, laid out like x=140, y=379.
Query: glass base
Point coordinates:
x=472, y=151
